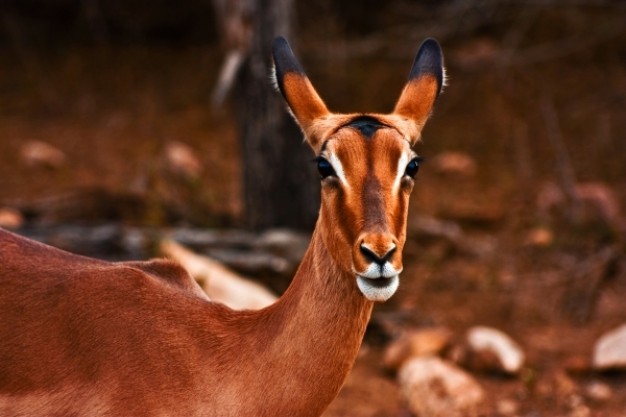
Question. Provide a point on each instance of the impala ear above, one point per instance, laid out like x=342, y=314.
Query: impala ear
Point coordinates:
x=304, y=102
x=426, y=80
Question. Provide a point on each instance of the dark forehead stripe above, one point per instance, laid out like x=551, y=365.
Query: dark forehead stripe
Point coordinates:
x=367, y=125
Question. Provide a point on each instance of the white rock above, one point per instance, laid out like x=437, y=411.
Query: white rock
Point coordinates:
x=489, y=342
x=418, y=342
x=455, y=163
x=435, y=388
x=507, y=407
x=539, y=237
x=610, y=350
x=598, y=391
x=10, y=218
x=37, y=153
x=182, y=160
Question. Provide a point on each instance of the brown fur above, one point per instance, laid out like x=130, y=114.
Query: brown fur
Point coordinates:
x=137, y=339
x=305, y=111
x=79, y=336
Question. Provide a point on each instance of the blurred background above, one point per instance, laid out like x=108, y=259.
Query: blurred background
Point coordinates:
x=121, y=118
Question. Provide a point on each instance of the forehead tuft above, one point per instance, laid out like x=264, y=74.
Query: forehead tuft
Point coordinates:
x=367, y=125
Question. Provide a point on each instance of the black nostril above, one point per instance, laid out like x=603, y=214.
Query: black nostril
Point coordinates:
x=372, y=256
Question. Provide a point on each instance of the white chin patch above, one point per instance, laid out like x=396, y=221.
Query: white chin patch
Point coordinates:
x=378, y=289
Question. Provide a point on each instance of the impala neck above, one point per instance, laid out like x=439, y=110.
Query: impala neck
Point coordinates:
x=318, y=327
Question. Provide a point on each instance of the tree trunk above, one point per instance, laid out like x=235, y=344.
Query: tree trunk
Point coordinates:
x=280, y=185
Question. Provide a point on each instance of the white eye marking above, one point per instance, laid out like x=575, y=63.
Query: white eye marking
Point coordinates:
x=336, y=163
x=402, y=163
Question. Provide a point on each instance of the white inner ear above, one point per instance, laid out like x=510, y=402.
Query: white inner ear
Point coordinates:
x=444, y=80
x=336, y=163
x=274, y=78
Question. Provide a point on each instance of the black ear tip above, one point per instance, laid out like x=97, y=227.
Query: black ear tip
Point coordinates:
x=284, y=59
x=280, y=43
x=429, y=55
x=429, y=60
x=280, y=48
x=431, y=44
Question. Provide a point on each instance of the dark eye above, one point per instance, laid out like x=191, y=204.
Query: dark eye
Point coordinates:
x=413, y=167
x=324, y=168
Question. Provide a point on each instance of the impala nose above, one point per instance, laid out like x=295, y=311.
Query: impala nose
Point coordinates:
x=376, y=254
x=377, y=263
x=378, y=248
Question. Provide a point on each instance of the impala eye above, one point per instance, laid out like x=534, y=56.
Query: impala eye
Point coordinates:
x=413, y=167
x=324, y=167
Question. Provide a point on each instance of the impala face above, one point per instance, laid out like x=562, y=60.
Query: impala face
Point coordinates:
x=367, y=172
x=367, y=168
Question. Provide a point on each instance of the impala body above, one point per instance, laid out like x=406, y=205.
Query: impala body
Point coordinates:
x=84, y=337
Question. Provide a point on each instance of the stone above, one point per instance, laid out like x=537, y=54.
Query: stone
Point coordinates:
x=540, y=237
x=610, y=350
x=42, y=154
x=455, y=163
x=493, y=350
x=419, y=342
x=11, y=218
x=507, y=407
x=598, y=392
x=182, y=160
x=435, y=388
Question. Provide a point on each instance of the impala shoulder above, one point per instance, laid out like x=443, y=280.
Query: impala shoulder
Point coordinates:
x=168, y=272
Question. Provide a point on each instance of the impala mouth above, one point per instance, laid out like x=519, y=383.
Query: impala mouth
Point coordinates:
x=378, y=289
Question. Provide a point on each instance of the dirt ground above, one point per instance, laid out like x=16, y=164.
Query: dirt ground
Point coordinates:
x=112, y=111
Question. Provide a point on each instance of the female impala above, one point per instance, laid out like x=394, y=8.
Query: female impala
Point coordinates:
x=85, y=337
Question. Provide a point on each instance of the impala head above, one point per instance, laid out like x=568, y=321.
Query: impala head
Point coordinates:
x=367, y=167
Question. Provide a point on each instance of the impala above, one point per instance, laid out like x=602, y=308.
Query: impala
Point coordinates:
x=84, y=337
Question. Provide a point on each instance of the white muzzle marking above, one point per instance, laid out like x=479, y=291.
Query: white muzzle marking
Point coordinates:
x=378, y=289
x=378, y=282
